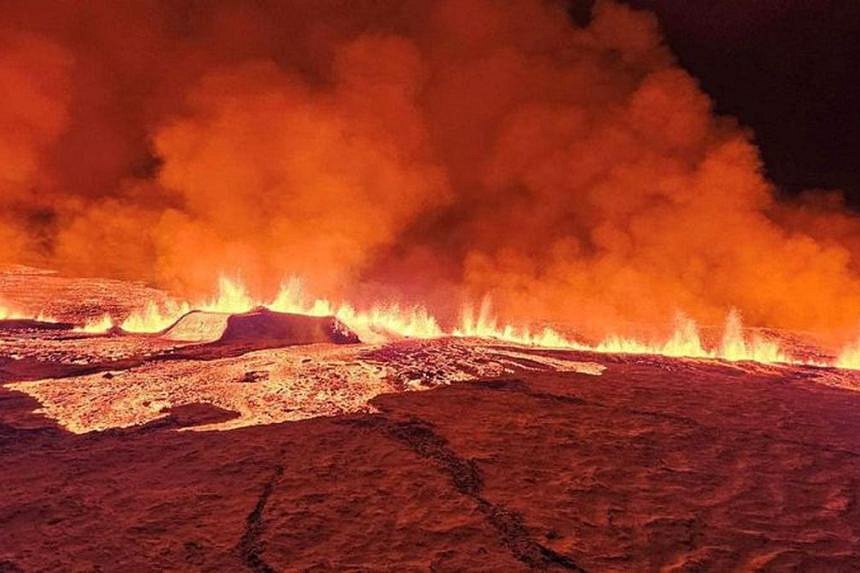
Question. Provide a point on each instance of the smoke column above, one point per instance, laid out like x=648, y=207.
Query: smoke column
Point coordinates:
x=427, y=151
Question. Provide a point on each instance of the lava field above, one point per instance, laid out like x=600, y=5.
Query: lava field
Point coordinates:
x=269, y=441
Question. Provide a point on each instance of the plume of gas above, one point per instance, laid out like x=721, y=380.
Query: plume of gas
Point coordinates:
x=576, y=173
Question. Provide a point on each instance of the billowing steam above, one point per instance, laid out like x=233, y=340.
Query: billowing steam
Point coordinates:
x=432, y=151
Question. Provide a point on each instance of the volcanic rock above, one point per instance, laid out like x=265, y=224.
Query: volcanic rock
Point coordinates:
x=260, y=327
x=198, y=326
x=643, y=468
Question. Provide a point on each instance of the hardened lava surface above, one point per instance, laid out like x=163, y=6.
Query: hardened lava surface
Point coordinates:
x=270, y=385
x=143, y=453
x=655, y=464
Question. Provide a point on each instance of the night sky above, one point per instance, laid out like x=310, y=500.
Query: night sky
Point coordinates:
x=789, y=69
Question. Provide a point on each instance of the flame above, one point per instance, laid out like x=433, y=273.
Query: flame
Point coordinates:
x=232, y=298
x=685, y=341
x=374, y=325
x=154, y=318
x=8, y=312
x=485, y=325
x=758, y=349
x=98, y=325
x=849, y=357
x=379, y=323
x=384, y=322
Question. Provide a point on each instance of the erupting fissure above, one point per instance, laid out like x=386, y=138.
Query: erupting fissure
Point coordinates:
x=572, y=169
x=385, y=322
x=10, y=312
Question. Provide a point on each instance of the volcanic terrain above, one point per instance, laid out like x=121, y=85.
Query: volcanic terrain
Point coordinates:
x=270, y=441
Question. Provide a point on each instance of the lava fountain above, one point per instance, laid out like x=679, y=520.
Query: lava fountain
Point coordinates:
x=381, y=323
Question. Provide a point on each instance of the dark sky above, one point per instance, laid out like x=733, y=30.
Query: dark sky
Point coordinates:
x=789, y=69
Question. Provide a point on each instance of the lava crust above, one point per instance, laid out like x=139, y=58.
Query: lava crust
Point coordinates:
x=656, y=464
x=267, y=441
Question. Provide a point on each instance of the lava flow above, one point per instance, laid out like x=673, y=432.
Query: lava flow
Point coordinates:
x=553, y=308
x=382, y=323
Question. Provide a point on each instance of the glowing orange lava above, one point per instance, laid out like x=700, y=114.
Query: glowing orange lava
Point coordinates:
x=98, y=325
x=10, y=312
x=849, y=357
x=381, y=323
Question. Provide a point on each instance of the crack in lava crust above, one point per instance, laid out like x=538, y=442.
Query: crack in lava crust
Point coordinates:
x=250, y=547
x=420, y=437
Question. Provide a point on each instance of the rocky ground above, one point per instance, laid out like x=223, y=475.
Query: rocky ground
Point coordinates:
x=138, y=453
x=655, y=464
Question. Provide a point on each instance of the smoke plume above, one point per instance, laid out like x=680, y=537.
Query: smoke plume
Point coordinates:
x=426, y=151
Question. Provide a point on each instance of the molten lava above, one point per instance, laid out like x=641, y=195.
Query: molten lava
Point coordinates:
x=7, y=313
x=849, y=357
x=573, y=170
x=12, y=312
x=386, y=322
x=96, y=325
x=378, y=323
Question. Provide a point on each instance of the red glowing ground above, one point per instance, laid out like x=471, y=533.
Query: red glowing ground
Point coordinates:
x=144, y=453
x=655, y=463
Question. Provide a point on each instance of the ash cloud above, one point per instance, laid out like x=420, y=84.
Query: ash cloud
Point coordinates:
x=429, y=151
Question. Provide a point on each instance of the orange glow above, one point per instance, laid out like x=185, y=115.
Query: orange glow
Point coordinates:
x=10, y=312
x=154, y=318
x=849, y=357
x=385, y=322
x=98, y=325
x=574, y=171
x=382, y=323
